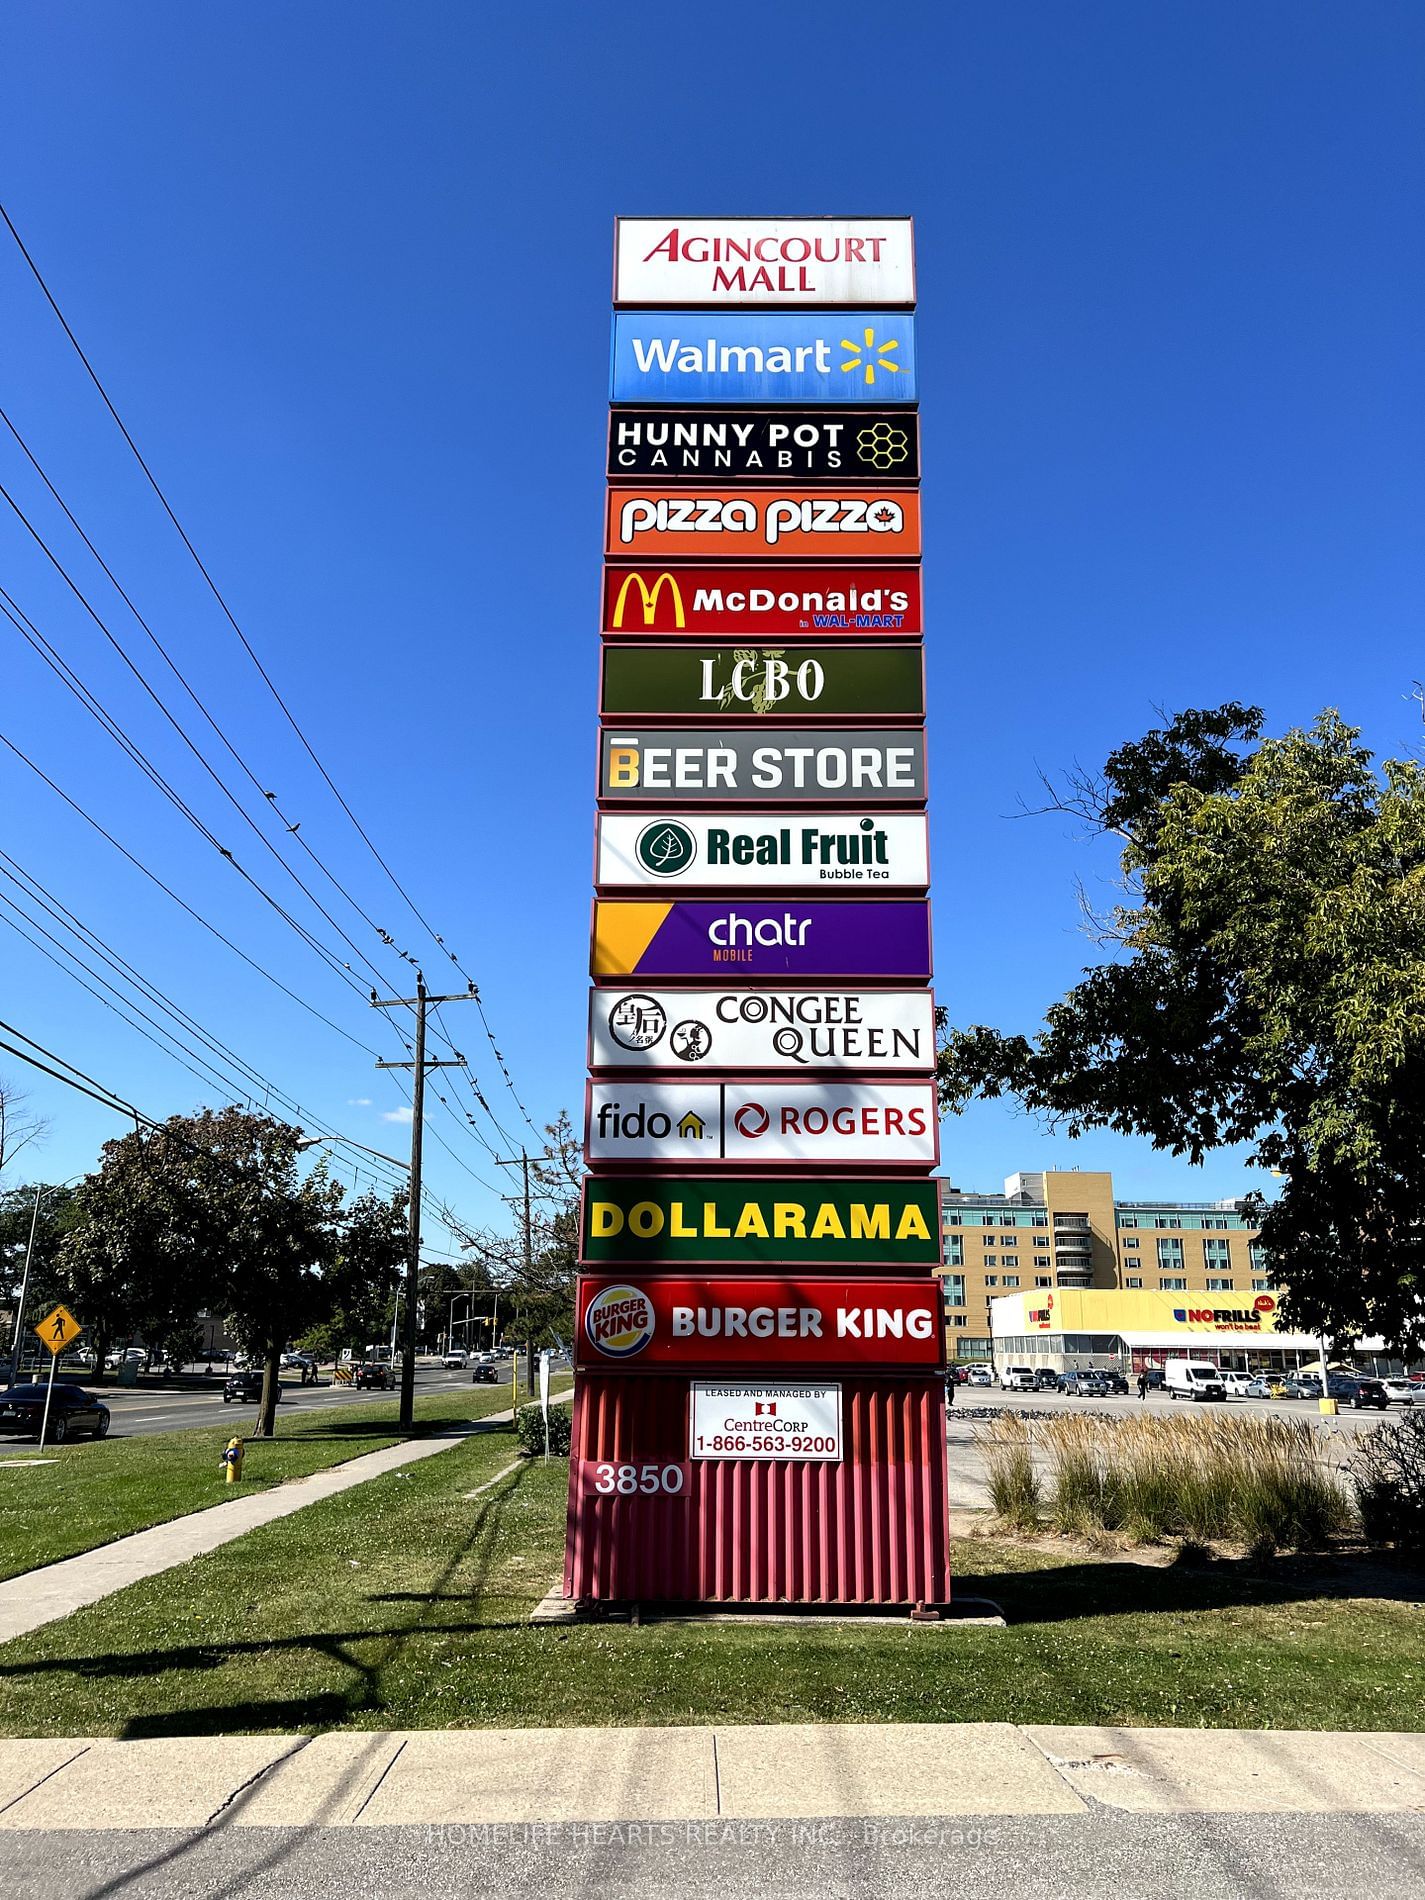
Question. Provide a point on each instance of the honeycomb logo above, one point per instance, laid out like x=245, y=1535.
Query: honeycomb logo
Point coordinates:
x=882, y=445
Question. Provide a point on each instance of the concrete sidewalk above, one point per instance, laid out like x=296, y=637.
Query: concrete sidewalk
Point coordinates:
x=42, y=1596
x=614, y=1777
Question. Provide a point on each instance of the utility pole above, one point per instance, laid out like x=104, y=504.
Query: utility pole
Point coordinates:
x=419, y=1003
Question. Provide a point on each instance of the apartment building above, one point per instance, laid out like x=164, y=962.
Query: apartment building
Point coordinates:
x=1069, y=1230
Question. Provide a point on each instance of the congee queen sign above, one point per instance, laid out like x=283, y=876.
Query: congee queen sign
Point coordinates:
x=764, y=261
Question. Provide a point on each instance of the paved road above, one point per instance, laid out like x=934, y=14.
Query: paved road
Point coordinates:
x=1060, y=1857
x=137, y=1412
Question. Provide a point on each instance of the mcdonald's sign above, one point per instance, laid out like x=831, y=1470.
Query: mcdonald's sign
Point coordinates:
x=755, y=602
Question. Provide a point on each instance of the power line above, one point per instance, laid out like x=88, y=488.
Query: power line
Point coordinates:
x=248, y=648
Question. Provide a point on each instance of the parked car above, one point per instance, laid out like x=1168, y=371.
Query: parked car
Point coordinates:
x=1017, y=1378
x=1084, y=1382
x=1303, y=1385
x=979, y=1375
x=1046, y=1379
x=296, y=1361
x=132, y=1354
x=1266, y=1385
x=1404, y=1392
x=1114, y=1380
x=1357, y=1390
x=1237, y=1385
x=374, y=1377
x=1153, y=1378
x=71, y=1410
x=456, y=1359
x=1194, y=1379
x=484, y=1375
x=245, y=1387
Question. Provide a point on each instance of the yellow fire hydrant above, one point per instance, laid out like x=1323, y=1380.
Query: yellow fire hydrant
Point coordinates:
x=231, y=1461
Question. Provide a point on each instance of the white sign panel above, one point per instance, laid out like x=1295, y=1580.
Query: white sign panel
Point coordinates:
x=764, y=261
x=771, y=851
x=834, y=1124
x=892, y=1031
x=766, y=1421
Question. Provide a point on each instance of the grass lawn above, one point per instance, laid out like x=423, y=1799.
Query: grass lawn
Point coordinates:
x=97, y=1490
x=404, y=1604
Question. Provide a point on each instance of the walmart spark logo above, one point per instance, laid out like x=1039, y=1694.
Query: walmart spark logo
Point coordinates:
x=869, y=355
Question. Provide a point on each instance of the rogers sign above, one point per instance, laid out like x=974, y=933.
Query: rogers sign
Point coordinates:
x=764, y=261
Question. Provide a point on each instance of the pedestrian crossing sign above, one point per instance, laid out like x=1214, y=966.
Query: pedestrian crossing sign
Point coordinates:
x=59, y=1329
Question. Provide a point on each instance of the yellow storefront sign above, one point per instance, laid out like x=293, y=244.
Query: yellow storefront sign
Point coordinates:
x=1107, y=1310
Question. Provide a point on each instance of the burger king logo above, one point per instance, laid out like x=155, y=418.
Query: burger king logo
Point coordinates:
x=619, y=1321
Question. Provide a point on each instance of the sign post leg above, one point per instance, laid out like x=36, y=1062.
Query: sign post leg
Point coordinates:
x=44, y=1421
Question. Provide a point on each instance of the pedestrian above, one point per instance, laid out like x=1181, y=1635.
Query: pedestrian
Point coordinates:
x=1142, y=1385
x=950, y=1389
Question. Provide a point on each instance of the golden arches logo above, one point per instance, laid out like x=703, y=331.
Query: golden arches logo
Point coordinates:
x=650, y=599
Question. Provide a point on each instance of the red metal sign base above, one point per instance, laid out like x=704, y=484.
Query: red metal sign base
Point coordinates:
x=649, y=1524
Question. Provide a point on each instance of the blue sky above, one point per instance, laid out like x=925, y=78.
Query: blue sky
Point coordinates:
x=345, y=271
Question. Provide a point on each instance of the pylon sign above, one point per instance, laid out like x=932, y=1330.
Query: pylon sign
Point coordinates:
x=732, y=1028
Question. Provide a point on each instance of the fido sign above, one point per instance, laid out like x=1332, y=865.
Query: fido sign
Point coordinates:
x=764, y=261
x=884, y=1031
x=831, y=1124
x=776, y=851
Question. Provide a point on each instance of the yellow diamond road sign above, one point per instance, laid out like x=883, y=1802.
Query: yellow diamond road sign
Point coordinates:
x=59, y=1329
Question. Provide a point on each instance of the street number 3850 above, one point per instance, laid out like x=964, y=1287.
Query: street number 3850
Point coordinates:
x=626, y=1481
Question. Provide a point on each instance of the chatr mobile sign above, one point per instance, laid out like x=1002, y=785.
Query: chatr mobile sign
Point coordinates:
x=757, y=603
x=788, y=940
x=764, y=261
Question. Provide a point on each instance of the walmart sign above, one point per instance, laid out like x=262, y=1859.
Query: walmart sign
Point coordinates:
x=862, y=356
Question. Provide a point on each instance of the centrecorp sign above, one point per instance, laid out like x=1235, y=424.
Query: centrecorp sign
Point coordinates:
x=865, y=357
x=671, y=764
x=764, y=261
x=762, y=602
x=712, y=1124
x=748, y=445
x=783, y=941
x=749, y=1031
x=842, y=524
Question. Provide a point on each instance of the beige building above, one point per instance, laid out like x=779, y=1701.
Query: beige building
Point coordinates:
x=1067, y=1230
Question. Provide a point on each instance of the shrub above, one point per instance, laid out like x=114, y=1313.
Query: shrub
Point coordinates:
x=1388, y=1472
x=1015, y=1489
x=529, y=1429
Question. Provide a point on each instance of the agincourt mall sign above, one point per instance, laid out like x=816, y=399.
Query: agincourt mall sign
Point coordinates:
x=764, y=261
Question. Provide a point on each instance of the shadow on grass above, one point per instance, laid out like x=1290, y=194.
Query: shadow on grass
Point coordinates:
x=1193, y=1582
x=474, y=1554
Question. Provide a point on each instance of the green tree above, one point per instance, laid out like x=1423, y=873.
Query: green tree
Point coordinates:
x=1266, y=985
x=371, y=1251
x=46, y=1285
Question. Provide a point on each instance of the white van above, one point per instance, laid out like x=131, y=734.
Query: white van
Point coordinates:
x=1017, y=1379
x=1193, y=1379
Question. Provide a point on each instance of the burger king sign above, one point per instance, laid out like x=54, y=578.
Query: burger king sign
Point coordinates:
x=619, y=1321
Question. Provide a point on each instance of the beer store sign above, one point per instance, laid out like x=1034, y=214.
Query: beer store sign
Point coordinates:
x=775, y=850
x=655, y=1324
x=818, y=524
x=765, y=1421
x=748, y=445
x=784, y=1225
x=866, y=357
x=762, y=603
x=890, y=1031
x=661, y=765
x=783, y=941
x=764, y=261
x=749, y=1124
x=763, y=682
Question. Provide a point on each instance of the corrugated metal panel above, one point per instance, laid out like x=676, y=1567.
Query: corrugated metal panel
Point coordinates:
x=871, y=1529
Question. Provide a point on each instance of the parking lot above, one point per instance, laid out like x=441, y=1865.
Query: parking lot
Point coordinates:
x=970, y=1398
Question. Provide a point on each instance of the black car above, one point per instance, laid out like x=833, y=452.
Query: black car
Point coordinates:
x=245, y=1387
x=484, y=1375
x=1114, y=1381
x=1046, y=1380
x=71, y=1410
x=375, y=1377
x=1357, y=1390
